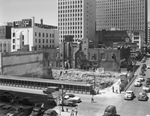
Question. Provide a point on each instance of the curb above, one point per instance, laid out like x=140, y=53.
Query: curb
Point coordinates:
x=128, y=85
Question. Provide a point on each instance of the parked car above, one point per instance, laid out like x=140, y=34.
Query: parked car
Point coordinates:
x=21, y=111
x=147, y=81
x=13, y=111
x=141, y=78
x=72, y=97
x=110, y=111
x=137, y=83
x=67, y=102
x=5, y=109
x=142, y=96
x=142, y=73
x=7, y=96
x=50, y=112
x=27, y=101
x=129, y=95
x=146, y=88
x=37, y=111
x=148, y=66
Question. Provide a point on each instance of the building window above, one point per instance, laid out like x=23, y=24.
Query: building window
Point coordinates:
x=22, y=37
x=50, y=35
x=46, y=34
x=13, y=46
x=35, y=34
x=39, y=40
x=13, y=40
x=35, y=40
x=43, y=41
x=43, y=34
x=50, y=40
x=39, y=34
x=13, y=34
x=46, y=40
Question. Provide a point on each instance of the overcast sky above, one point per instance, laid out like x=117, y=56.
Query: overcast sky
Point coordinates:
x=15, y=10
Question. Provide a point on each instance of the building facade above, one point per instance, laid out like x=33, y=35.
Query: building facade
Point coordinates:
x=77, y=18
x=5, y=32
x=122, y=14
x=5, y=45
x=5, y=38
x=148, y=33
x=108, y=37
x=34, y=35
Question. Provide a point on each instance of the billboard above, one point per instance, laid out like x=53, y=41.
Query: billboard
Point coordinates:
x=22, y=24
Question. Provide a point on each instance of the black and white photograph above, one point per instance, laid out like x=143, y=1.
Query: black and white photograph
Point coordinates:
x=74, y=57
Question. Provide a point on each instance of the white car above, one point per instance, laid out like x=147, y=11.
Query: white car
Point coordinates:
x=146, y=88
x=129, y=95
x=72, y=97
x=141, y=78
x=137, y=83
x=148, y=66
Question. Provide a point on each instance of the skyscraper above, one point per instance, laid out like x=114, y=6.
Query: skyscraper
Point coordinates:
x=77, y=18
x=122, y=14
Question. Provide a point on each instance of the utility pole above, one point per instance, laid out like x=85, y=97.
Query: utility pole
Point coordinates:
x=62, y=101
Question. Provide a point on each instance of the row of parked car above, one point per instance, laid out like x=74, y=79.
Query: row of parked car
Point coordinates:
x=12, y=105
x=129, y=95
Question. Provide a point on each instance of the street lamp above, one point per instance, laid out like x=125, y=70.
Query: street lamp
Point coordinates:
x=62, y=101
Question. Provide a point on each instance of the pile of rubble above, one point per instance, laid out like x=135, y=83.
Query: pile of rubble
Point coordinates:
x=101, y=80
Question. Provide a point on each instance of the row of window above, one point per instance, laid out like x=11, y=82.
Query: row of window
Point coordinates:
x=44, y=40
x=39, y=46
x=70, y=11
x=60, y=15
x=70, y=19
x=62, y=2
x=44, y=35
x=70, y=23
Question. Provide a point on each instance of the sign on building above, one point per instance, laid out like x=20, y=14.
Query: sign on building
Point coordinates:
x=23, y=23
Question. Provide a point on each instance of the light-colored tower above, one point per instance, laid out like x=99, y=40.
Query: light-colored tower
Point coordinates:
x=122, y=14
x=77, y=18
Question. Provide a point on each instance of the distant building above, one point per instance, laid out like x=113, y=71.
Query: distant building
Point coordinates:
x=80, y=55
x=76, y=18
x=5, y=38
x=5, y=45
x=108, y=37
x=122, y=14
x=5, y=32
x=137, y=37
x=35, y=36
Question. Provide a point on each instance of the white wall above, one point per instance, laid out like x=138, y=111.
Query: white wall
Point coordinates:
x=19, y=32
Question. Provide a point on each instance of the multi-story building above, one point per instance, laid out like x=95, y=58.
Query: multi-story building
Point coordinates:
x=5, y=32
x=122, y=14
x=77, y=18
x=5, y=38
x=33, y=35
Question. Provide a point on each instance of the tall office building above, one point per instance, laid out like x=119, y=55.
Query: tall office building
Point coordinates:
x=122, y=14
x=76, y=18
